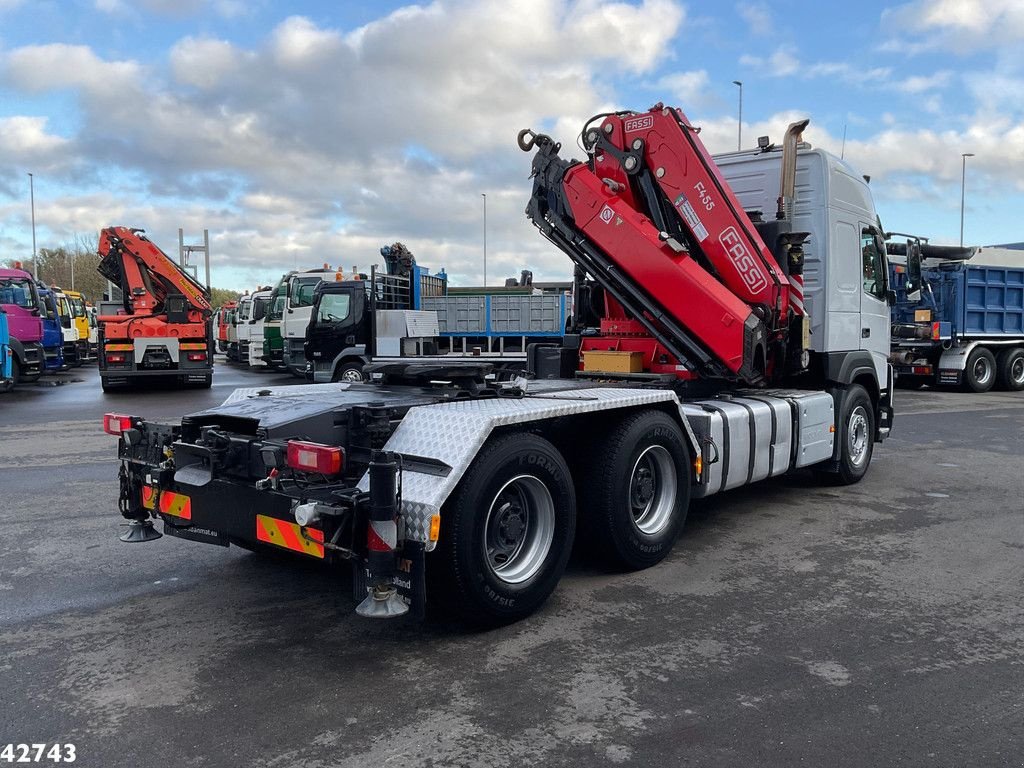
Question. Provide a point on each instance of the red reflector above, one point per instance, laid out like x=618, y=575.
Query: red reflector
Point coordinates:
x=195, y=357
x=935, y=331
x=116, y=424
x=314, y=457
x=115, y=358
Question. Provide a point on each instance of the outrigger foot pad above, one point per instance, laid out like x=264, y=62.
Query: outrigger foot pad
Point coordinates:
x=382, y=604
x=140, y=530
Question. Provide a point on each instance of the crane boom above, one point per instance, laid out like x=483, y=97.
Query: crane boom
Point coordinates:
x=651, y=219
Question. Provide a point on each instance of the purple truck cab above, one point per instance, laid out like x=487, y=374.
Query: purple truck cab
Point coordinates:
x=20, y=300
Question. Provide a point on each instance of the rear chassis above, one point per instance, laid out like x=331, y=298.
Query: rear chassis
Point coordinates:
x=228, y=483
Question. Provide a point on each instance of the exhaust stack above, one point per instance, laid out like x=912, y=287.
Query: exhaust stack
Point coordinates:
x=787, y=185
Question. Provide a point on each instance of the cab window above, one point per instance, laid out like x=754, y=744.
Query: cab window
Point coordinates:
x=334, y=307
x=302, y=292
x=79, y=307
x=874, y=264
x=259, y=308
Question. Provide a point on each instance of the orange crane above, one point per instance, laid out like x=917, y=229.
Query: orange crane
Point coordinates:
x=164, y=329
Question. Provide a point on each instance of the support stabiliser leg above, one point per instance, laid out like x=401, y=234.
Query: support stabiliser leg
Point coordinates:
x=140, y=526
x=382, y=600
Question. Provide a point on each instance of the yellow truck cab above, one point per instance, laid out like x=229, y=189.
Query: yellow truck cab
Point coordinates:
x=80, y=319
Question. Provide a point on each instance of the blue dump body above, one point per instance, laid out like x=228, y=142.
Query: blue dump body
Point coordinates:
x=5, y=353
x=976, y=301
x=53, y=336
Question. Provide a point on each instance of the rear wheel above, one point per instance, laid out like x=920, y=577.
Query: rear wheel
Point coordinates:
x=506, y=532
x=636, y=491
x=980, y=373
x=1011, y=369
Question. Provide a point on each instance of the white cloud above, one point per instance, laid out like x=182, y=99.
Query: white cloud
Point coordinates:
x=922, y=83
x=58, y=65
x=783, y=62
x=758, y=18
x=961, y=26
x=684, y=87
x=204, y=63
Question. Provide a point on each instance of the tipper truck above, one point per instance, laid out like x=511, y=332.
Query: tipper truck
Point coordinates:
x=723, y=333
x=164, y=330
x=956, y=321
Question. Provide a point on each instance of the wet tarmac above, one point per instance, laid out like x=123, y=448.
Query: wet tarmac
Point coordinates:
x=794, y=623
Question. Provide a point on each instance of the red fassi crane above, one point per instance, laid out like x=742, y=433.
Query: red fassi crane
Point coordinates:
x=688, y=279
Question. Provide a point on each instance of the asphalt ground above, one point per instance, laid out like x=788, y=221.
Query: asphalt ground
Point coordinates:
x=793, y=624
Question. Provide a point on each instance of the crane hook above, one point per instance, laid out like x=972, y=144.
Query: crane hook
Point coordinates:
x=526, y=144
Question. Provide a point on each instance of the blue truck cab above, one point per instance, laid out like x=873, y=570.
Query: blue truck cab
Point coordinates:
x=6, y=373
x=53, y=335
x=954, y=321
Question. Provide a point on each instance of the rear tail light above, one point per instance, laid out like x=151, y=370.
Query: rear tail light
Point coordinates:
x=196, y=357
x=116, y=424
x=115, y=358
x=314, y=457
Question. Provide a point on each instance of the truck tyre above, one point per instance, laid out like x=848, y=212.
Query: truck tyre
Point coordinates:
x=857, y=436
x=350, y=372
x=636, y=491
x=506, y=532
x=980, y=371
x=1010, y=366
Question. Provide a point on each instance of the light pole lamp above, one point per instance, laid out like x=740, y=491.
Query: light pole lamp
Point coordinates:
x=484, y=196
x=32, y=197
x=963, y=180
x=739, y=121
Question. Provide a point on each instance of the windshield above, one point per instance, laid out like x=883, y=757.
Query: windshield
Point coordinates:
x=334, y=307
x=277, y=307
x=78, y=306
x=18, y=291
x=259, y=307
x=243, y=309
x=302, y=291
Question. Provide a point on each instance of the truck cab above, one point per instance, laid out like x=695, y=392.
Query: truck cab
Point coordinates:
x=250, y=327
x=298, y=308
x=273, y=344
x=6, y=373
x=339, y=332
x=19, y=298
x=846, y=291
x=53, y=332
x=80, y=319
x=72, y=349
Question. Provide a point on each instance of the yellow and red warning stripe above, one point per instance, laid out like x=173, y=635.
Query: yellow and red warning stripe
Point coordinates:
x=175, y=504
x=281, y=533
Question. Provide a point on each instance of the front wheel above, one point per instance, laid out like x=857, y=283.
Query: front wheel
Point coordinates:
x=636, y=491
x=506, y=532
x=351, y=373
x=858, y=435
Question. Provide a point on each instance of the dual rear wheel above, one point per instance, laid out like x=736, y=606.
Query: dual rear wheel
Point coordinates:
x=508, y=530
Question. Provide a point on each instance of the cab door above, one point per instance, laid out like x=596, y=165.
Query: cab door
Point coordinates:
x=874, y=304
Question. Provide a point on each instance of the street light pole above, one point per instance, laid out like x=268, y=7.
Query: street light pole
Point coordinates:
x=963, y=180
x=739, y=121
x=484, y=196
x=32, y=195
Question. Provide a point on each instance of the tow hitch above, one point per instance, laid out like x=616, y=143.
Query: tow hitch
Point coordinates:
x=140, y=526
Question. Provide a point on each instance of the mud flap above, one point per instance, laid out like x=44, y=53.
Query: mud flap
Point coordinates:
x=195, y=533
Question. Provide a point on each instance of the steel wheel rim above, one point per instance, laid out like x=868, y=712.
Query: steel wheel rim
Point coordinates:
x=351, y=375
x=1017, y=370
x=653, y=486
x=982, y=370
x=519, y=529
x=857, y=435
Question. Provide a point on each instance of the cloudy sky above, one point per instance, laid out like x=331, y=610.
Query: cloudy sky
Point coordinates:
x=305, y=132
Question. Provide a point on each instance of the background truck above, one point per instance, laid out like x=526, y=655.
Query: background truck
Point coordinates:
x=6, y=369
x=163, y=329
x=69, y=330
x=252, y=312
x=19, y=298
x=408, y=312
x=222, y=322
x=692, y=370
x=80, y=319
x=956, y=321
x=293, y=306
x=53, y=331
